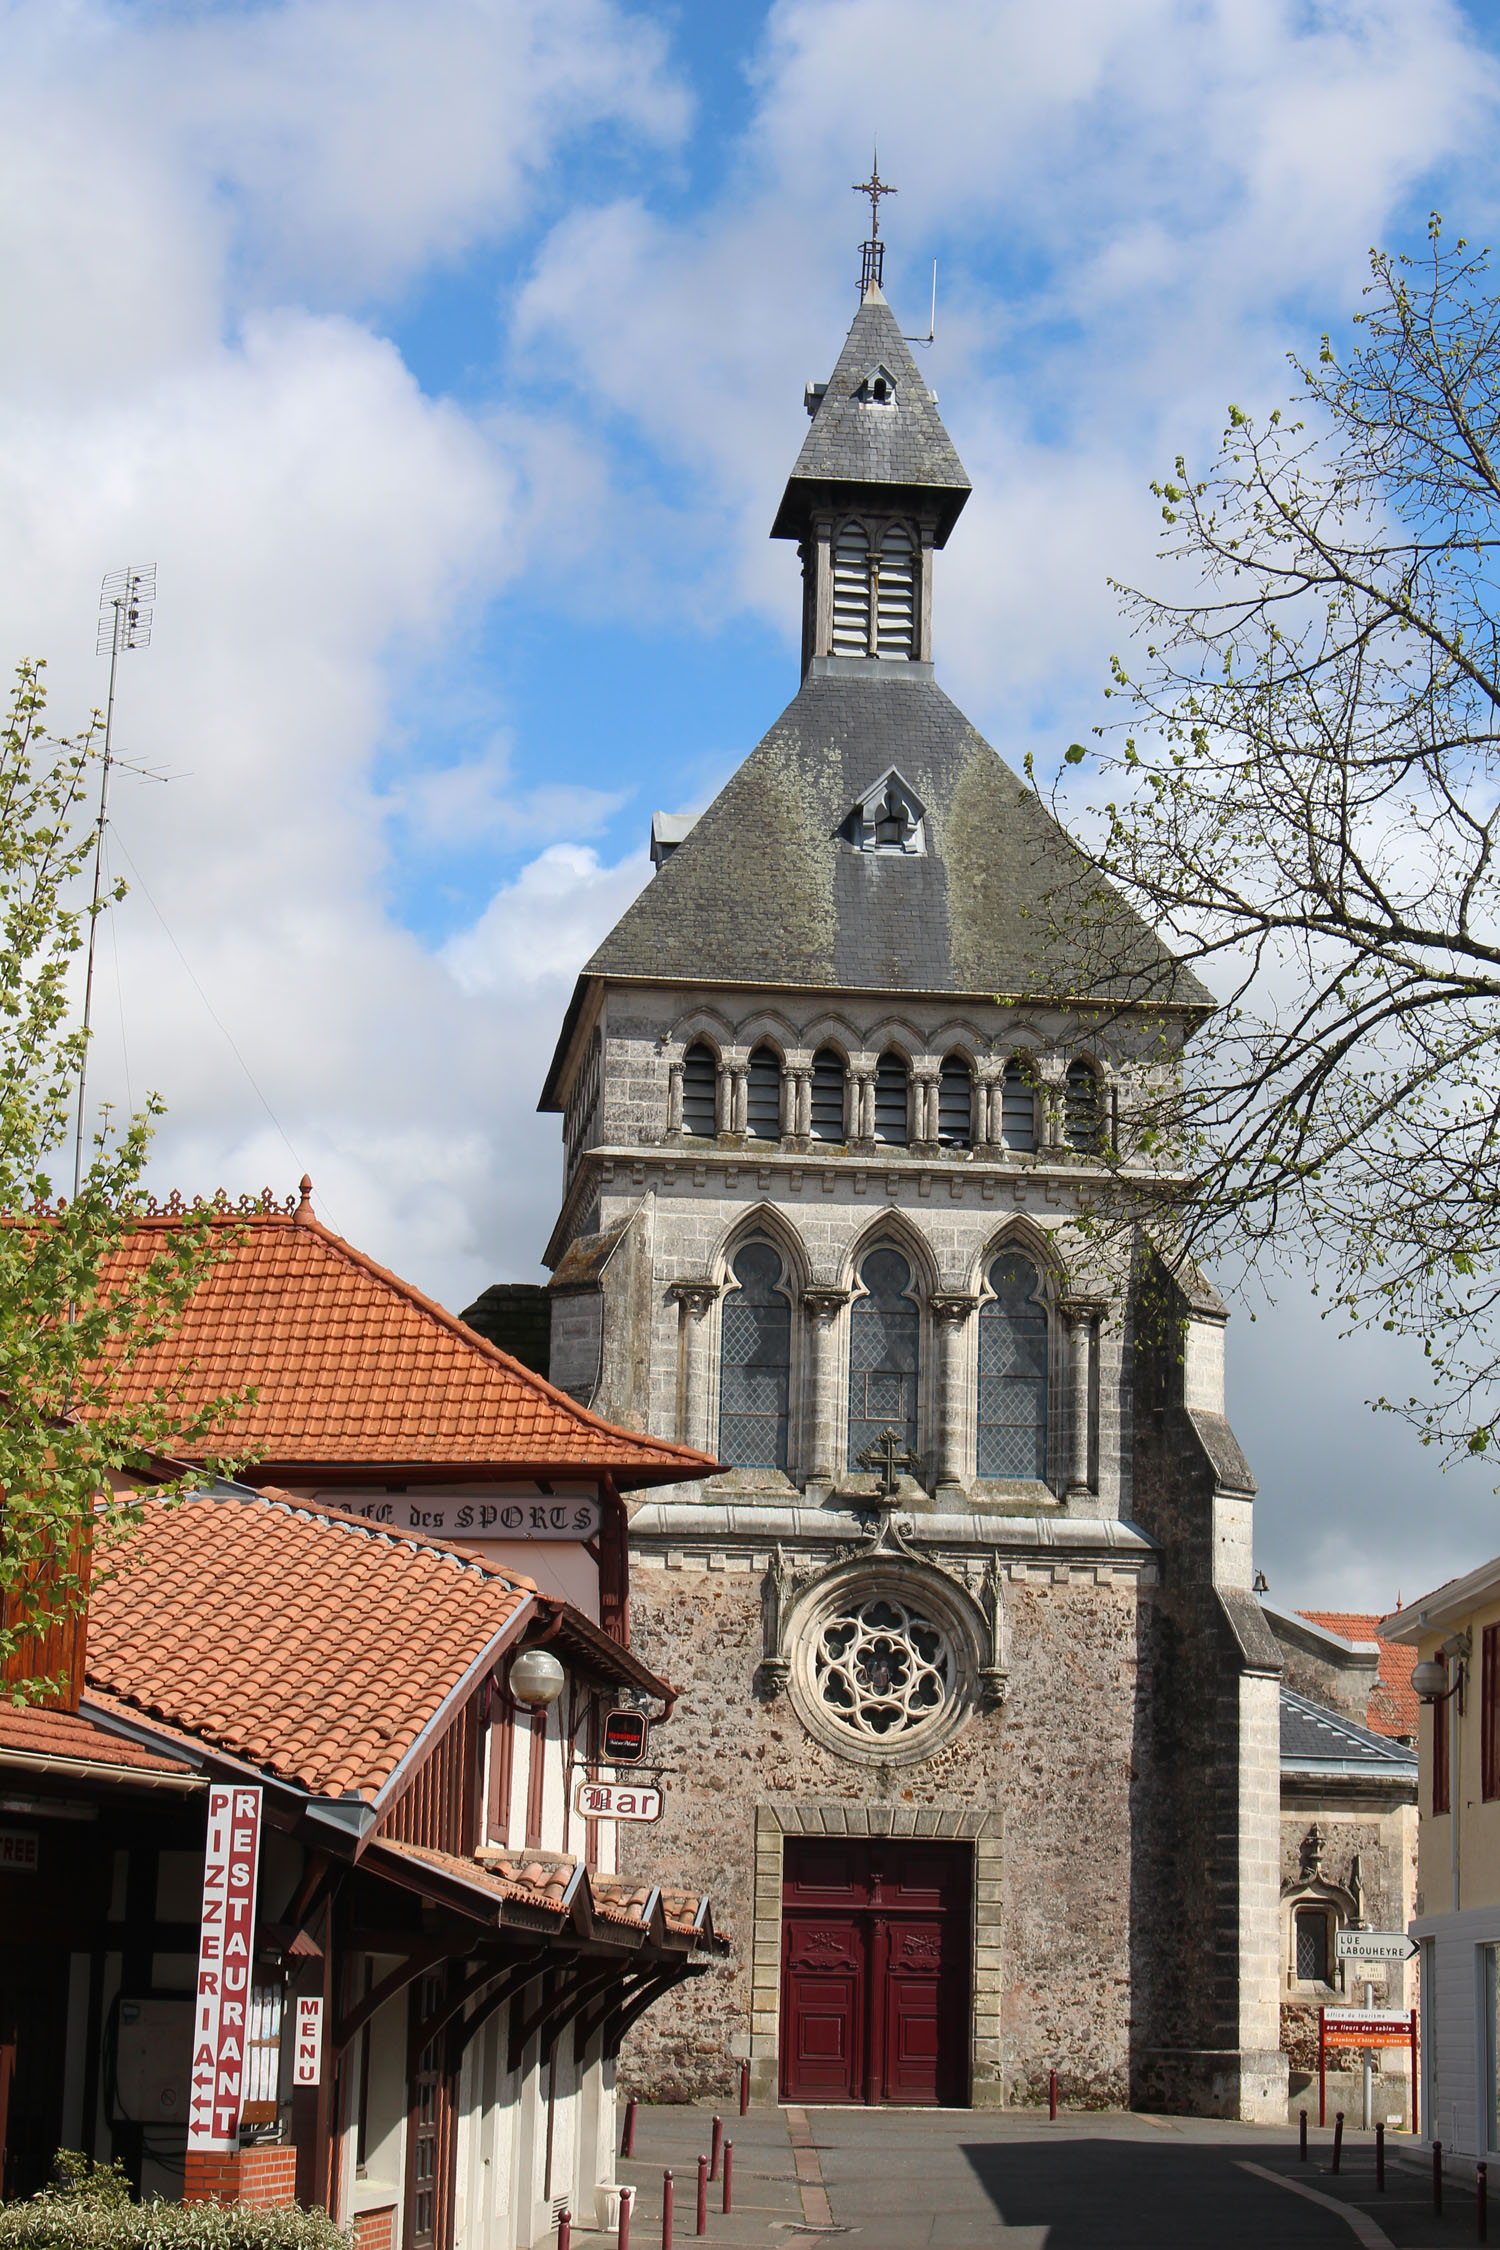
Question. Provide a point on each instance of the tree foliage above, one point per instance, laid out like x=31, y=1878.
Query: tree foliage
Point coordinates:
x=73, y=1313
x=1305, y=802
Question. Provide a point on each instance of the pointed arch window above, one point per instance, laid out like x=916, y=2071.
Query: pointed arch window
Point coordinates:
x=827, y=1096
x=700, y=1091
x=1082, y=1120
x=763, y=1095
x=755, y=1360
x=1018, y=1106
x=890, y=1101
x=884, y=1351
x=851, y=591
x=955, y=1104
x=895, y=593
x=1013, y=1372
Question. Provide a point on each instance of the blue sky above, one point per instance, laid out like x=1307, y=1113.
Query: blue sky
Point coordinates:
x=448, y=362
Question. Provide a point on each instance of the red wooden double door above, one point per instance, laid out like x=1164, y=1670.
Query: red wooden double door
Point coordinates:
x=875, y=1971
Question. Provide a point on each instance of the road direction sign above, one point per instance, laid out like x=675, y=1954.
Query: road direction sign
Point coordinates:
x=1375, y=1945
x=615, y=1800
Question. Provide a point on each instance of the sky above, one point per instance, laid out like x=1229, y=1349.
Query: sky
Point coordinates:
x=448, y=361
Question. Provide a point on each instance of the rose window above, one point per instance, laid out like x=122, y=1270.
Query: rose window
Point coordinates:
x=882, y=1668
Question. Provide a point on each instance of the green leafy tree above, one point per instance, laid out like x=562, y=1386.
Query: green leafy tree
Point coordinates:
x=74, y=1313
x=1305, y=801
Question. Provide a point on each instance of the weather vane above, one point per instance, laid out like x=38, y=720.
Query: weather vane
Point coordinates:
x=872, y=253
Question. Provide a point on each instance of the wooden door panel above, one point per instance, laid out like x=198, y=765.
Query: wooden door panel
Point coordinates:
x=823, y=2008
x=826, y=1872
x=913, y=2010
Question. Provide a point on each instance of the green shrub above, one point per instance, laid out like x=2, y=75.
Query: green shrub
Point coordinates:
x=66, y=2221
x=77, y=2178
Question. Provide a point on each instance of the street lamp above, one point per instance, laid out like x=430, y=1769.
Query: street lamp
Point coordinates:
x=536, y=1678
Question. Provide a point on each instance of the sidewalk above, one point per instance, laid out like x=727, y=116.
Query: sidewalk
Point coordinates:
x=952, y=2179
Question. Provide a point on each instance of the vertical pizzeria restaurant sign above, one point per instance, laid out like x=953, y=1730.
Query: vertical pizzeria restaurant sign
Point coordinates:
x=226, y=1950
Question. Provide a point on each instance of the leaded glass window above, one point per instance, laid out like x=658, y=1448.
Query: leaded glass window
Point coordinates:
x=755, y=1356
x=827, y=1099
x=955, y=1104
x=1013, y=1373
x=1018, y=1106
x=700, y=1091
x=884, y=1348
x=1312, y=1945
x=763, y=1095
x=890, y=1101
x=1081, y=1109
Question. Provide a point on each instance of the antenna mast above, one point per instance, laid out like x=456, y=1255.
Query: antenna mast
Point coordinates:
x=125, y=602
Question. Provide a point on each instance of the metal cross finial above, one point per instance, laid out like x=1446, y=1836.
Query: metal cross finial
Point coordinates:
x=874, y=187
x=888, y=1459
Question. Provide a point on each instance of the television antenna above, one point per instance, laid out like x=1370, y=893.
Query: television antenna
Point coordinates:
x=126, y=600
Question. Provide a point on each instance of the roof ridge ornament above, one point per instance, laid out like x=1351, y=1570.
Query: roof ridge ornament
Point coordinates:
x=872, y=252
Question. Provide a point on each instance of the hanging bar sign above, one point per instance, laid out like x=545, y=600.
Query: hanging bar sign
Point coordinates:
x=611, y=1800
x=307, y=2058
x=226, y=1948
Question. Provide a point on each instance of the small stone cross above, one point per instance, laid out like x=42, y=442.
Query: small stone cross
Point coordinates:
x=888, y=1458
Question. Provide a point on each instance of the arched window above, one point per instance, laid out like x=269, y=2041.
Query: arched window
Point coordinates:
x=1081, y=1119
x=1312, y=1926
x=1013, y=1373
x=955, y=1104
x=884, y=1342
x=763, y=1095
x=890, y=1100
x=755, y=1358
x=700, y=1091
x=895, y=593
x=827, y=1102
x=851, y=591
x=1018, y=1106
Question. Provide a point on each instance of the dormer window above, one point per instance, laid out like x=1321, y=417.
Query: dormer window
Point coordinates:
x=878, y=388
x=888, y=819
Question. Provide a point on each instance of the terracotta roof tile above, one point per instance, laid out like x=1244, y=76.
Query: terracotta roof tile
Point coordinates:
x=354, y=1365
x=59, y=1734
x=1392, y=1708
x=315, y=1646
x=545, y=1883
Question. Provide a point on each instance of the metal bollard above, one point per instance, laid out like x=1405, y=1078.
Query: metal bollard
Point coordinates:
x=1437, y=2177
x=744, y=2088
x=716, y=2149
x=1052, y=2094
x=728, y=2171
x=1481, y=2203
x=564, y=2230
x=1302, y=2135
x=1380, y=2158
x=1338, y=2137
x=627, y=2138
x=627, y=2198
x=703, y=2195
x=666, y=2211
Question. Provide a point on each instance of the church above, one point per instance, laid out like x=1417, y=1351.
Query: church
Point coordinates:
x=980, y=1762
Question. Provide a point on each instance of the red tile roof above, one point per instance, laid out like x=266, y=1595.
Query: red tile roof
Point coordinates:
x=1392, y=1708
x=554, y=1886
x=355, y=1366
x=313, y=1645
x=59, y=1735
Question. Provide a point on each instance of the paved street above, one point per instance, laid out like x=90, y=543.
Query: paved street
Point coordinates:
x=896, y=2179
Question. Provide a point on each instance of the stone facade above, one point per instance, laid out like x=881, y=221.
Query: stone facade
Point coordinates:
x=809, y=1040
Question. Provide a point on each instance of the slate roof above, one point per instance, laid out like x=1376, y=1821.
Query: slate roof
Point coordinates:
x=1313, y=1738
x=311, y=1644
x=765, y=892
x=353, y=1365
x=852, y=442
x=1392, y=1708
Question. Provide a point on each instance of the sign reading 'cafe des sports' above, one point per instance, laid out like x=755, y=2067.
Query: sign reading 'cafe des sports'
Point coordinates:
x=462, y=1516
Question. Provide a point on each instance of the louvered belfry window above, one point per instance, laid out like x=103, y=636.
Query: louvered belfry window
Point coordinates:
x=1013, y=1373
x=763, y=1096
x=700, y=1092
x=890, y=1101
x=827, y=1102
x=1081, y=1107
x=1018, y=1106
x=955, y=1104
x=895, y=600
x=884, y=1342
x=755, y=1354
x=851, y=592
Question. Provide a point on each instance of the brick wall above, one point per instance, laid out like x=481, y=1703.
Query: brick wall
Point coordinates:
x=258, y=2177
x=376, y=2230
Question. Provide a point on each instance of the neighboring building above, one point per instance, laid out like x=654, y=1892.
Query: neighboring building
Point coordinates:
x=1455, y=1636
x=423, y=1872
x=984, y=1730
